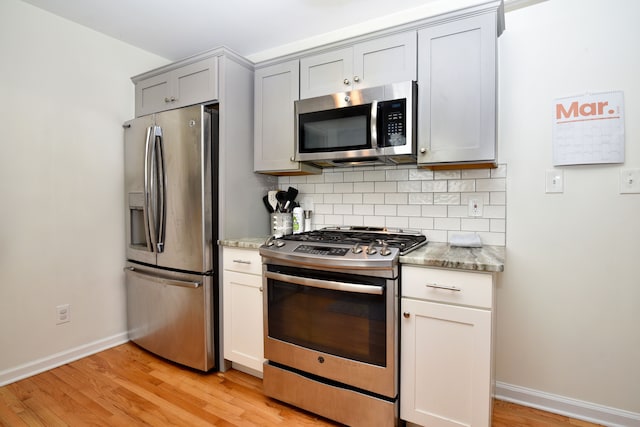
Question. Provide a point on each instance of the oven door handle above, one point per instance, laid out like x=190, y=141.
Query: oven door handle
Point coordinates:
x=327, y=284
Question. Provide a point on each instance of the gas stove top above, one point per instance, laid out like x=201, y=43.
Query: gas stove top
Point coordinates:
x=344, y=247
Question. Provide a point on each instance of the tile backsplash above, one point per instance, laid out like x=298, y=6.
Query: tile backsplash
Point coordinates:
x=433, y=202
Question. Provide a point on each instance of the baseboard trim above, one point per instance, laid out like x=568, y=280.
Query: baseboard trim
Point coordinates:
x=29, y=369
x=573, y=408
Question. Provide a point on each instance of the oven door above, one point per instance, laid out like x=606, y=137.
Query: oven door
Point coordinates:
x=337, y=326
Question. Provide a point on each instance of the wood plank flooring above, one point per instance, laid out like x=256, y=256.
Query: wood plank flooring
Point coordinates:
x=127, y=386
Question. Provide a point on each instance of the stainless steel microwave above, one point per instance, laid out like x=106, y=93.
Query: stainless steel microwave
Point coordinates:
x=376, y=125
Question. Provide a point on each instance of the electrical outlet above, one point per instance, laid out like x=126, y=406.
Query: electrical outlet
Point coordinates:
x=475, y=207
x=63, y=314
x=629, y=181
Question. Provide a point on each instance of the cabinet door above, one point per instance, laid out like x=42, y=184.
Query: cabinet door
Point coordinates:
x=242, y=306
x=385, y=60
x=326, y=73
x=445, y=376
x=457, y=87
x=154, y=94
x=196, y=83
x=276, y=90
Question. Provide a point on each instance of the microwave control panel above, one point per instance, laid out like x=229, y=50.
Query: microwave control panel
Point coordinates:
x=392, y=122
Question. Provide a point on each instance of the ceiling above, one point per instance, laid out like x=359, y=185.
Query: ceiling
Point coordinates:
x=175, y=29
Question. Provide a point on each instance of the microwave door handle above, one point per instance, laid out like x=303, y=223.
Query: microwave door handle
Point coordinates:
x=326, y=284
x=374, y=125
x=146, y=206
x=161, y=189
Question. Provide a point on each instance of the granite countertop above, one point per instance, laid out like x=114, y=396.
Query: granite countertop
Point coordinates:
x=433, y=254
x=486, y=258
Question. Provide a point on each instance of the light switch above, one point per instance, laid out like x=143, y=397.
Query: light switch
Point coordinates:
x=554, y=182
x=629, y=181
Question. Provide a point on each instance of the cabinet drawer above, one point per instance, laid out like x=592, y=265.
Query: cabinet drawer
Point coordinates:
x=242, y=260
x=449, y=286
x=233, y=278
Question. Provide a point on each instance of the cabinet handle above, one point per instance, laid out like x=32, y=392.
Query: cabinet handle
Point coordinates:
x=293, y=159
x=356, y=79
x=172, y=99
x=446, y=288
x=166, y=100
x=406, y=315
x=241, y=261
x=260, y=288
x=423, y=150
x=346, y=82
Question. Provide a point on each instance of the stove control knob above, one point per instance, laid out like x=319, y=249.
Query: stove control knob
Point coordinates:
x=280, y=243
x=370, y=249
x=356, y=249
x=269, y=241
x=384, y=250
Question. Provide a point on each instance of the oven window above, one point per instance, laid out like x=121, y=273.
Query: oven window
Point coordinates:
x=345, y=324
x=335, y=130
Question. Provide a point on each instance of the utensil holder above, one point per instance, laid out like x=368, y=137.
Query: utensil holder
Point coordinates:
x=281, y=224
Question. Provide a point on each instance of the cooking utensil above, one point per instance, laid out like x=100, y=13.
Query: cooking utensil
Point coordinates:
x=272, y=199
x=292, y=193
x=281, y=197
x=267, y=205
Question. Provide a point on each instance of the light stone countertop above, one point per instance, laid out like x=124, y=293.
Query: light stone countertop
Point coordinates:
x=486, y=258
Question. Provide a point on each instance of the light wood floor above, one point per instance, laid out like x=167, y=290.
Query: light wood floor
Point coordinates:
x=126, y=386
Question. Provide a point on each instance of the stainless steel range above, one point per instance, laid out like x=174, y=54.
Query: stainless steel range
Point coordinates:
x=331, y=321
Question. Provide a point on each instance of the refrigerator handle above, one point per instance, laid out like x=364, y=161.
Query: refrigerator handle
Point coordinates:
x=146, y=206
x=162, y=188
x=163, y=280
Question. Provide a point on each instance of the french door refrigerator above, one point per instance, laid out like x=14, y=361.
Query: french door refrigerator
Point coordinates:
x=171, y=229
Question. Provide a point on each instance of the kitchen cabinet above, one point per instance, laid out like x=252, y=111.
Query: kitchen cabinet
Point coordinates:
x=446, y=376
x=275, y=91
x=242, y=307
x=376, y=62
x=179, y=86
x=457, y=91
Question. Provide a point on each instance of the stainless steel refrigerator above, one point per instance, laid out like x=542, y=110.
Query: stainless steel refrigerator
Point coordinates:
x=171, y=228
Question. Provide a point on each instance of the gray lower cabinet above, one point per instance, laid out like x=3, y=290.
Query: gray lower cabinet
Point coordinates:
x=457, y=90
x=275, y=91
x=186, y=84
x=375, y=62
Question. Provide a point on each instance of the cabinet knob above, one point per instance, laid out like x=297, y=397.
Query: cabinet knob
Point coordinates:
x=293, y=159
x=406, y=315
x=347, y=98
x=346, y=82
x=356, y=79
x=166, y=100
x=423, y=150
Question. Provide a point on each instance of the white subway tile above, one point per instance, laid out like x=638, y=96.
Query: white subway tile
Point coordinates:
x=386, y=187
x=374, y=221
x=498, y=225
x=376, y=175
x=421, y=198
x=493, y=184
x=434, y=211
x=420, y=174
x=397, y=175
x=498, y=211
x=363, y=187
x=458, y=185
x=436, y=235
x=448, y=174
x=373, y=198
x=446, y=223
x=322, y=209
x=396, y=198
x=354, y=198
x=324, y=188
x=333, y=198
x=353, y=220
x=492, y=239
x=499, y=172
x=409, y=186
x=354, y=176
x=363, y=209
x=334, y=177
x=434, y=186
x=343, y=209
x=465, y=197
x=385, y=210
x=315, y=179
x=457, y=211
x=409, y=210
x=475, y=224
x=334, y=220
x=397, y=222
x=300, y=179
x=446, y=199
x=476, y=173
x=421, y=223
x=498, y=198
x=344, y=187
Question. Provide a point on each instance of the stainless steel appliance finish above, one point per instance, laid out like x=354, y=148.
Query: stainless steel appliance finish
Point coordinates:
x=331, y=322
x=170, y=234
x=375, y=125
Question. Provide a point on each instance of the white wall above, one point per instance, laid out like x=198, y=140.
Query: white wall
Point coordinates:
x=569, y=299
x=66, y=92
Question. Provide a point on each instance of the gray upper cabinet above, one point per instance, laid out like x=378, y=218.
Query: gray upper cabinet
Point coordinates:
x=188, y=84
x=275, y=91
x=379, y=61
x=457, y=91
